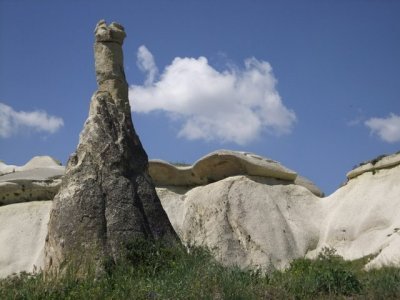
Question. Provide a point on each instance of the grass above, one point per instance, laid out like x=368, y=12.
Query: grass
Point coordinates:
x=159, y=272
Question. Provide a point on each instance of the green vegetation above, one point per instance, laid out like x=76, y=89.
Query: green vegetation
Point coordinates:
x=374, y=160
x=160, y=272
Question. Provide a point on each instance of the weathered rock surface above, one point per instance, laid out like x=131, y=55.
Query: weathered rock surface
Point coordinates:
x=252, y=222
x=363, y=217
x=39, y=179
x=23, y=229
x=222, y=164
x=250, y=210
x=259, y=222
x=381, y=162
x=37, y=162
x=106, y=198
x=5, y=168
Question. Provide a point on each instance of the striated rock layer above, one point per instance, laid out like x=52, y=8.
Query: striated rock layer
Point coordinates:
x=106, y=198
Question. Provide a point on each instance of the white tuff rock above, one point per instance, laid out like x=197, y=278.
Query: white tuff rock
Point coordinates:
x=222, y=164
x=23, y=229
x=252, y=221
x=38, y=179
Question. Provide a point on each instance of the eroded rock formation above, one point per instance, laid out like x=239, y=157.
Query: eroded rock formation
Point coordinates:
x=362, y=217
x=222, y=164
x=259, y=222
x=250, y=221
x=38, y=179
x=23, y=229
x=106, y=198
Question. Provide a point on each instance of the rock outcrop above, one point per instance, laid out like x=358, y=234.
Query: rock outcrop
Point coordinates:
x=251, y=211
x=106, y=198
x=222, y=164
x=258, y=222
x=39, y=179
x=23, y=229
x=363, y=217
x=37, y=162
x=251, y=221
x=381, y=162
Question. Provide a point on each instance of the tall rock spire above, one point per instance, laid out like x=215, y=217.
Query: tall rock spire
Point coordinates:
x=106, y=198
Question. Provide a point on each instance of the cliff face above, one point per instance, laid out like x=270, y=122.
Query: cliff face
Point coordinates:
x=106, y=198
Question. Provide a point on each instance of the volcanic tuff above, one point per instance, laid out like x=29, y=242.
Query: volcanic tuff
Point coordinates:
x=246, y=220
x=38, y=179
x=259, y=222
x=106, y=198
x=221, y=164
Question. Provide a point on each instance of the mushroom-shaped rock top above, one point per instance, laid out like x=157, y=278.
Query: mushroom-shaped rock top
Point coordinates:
x=111, y=33
x=222, y=164
x=381, y=162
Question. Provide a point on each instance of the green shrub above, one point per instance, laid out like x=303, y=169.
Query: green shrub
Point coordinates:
x=329, y=275
x=162, y=271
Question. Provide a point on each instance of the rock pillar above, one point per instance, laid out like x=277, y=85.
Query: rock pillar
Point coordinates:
x=106, y=198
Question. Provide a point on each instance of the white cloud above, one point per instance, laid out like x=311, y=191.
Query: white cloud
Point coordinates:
x=12, y=121
x=145, y=62
x=388, y=129
x=234, y=105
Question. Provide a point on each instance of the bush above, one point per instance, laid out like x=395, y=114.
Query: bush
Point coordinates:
x=329, y=275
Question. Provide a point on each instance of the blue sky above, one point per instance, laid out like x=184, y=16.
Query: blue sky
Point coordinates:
x=312, y=84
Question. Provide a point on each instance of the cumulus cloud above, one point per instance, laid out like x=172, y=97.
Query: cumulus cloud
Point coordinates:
x=145, y=62
x=388, y=129
x=12, y=121
x=234, y=105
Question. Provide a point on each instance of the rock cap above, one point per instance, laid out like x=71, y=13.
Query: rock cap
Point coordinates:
x=112, y=33
x=381, y=162
x=222, y=164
